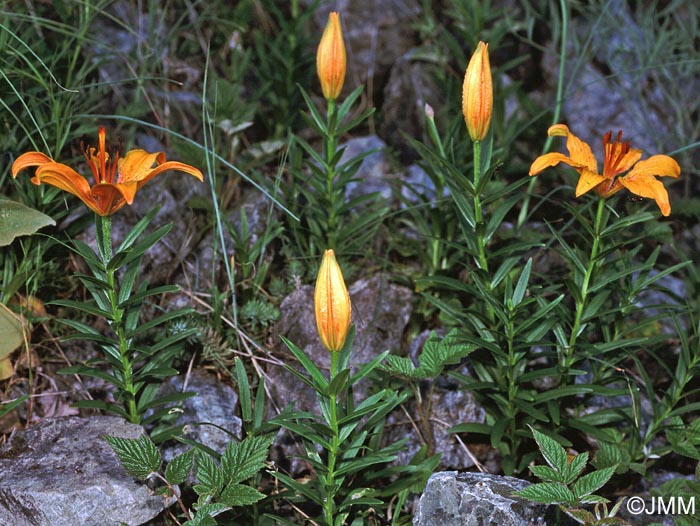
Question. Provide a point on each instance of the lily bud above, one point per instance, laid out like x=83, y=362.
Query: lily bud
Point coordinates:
x=332, y=303
x=331, y=60
x=477, y=94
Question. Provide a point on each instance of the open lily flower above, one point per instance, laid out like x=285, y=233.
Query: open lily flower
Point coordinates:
x=116, y=180
x=621, y=167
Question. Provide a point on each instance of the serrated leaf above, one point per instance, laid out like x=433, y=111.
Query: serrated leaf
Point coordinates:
x=400, y=366
x=576, y=466
x=592, y=481
x=178, y=469
x=139, y=456
x=548, y=493
x=17, y=220
x=240, y=495
x=242, y=460
x=205, y=513
x=546, y=474
x=553, y=453
x=209, y=476
x=582, y=516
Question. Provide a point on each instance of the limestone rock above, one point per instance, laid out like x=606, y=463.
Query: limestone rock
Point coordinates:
x=471, y=499
x=61, y=472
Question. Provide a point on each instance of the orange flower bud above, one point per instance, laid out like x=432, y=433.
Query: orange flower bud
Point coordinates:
x=331, y=60
x=477, y=94
x=332, y=303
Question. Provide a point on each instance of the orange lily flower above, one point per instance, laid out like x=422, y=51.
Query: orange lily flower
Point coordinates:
x=621, y=167
x=477, y=93
x=331, y=303
x=331, y=59
x=116, y=180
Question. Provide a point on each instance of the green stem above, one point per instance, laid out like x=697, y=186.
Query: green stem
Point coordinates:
x=104, y=242
x=478, y=214
x=329, y=504
x=329, y=150
x=578, y=326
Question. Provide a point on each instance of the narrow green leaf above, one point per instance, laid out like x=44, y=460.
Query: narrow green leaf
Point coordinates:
x=521, y=286
x=243, y=390
x=307, y=364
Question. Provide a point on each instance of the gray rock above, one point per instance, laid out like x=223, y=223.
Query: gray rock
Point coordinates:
x=474, y=499
x=375, y=170
x=614, y=88
x=445, y=409
x=62, y=473
x=411, y=85
x=208, y=418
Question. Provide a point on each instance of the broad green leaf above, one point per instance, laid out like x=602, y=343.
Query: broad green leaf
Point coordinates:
x=209, y=475
x=139, y=456
x=547, y=474
x=548, y=493
x=240, y=495
x=17, y=220
x=553, y=453
x=242, y=460
x=178, y=468
x=576, y=466
x=11, y=337
x=205, y=513
x=592, y=481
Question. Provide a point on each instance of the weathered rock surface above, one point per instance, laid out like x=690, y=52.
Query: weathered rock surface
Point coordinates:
x=476, y=499
x=208, y=418
x=374, y=171
x=62, y=473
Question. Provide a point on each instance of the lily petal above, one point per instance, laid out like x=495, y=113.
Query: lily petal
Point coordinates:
x=136, y=166
x=659, y=165
x=29, y=159
x=579, y=151
x=588, y=181
x=63, y=177
x=108, y=198
x=171, y=165
x=552, y=159
x=648, y=186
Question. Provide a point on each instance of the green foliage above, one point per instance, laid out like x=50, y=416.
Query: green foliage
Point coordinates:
x=318, y=192
x=564, y=483
x=139, y=456
x=220, y=484
x=350, y=435
x=135, y=369
x=436, y=354
x=17, y=220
